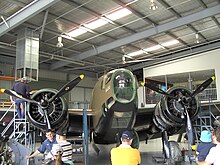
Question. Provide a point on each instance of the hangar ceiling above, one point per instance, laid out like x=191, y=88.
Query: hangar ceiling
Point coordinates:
x=100, y=35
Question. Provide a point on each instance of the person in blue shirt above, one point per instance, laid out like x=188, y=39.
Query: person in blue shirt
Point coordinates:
x=22, y=89
x=205, y=145
x=45, y=147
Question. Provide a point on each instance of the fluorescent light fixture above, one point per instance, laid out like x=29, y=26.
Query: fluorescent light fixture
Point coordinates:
x=99, y=22
x=170, y=43
x=77, y=32
x=197, y=38
x=95, y=24
x=136, y=53
x=86, y=29
x=68, y=37
x=153, y=48
x=131, y=2
x=118, y=14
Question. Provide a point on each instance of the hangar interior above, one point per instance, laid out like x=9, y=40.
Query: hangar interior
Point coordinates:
x=165, y=42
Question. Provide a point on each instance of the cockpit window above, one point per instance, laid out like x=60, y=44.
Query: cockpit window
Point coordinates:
x=108, y=78
x=124, y=86
x=121, y=119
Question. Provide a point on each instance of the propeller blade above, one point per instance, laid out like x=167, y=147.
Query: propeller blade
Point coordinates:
x=189, y=133
x=203, y=86
x=67, y=87
x=189, y=130
x=157, y=90
x=166, y=145
x=14, y=94
x=47, y=119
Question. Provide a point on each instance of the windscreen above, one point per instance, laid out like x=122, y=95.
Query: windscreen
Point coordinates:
x=124, y=86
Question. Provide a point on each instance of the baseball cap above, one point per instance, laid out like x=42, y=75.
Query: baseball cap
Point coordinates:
x=127, y=135
x=61, y=133
x=206, y=136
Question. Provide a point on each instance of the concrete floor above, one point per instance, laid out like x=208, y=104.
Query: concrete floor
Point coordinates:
x=148, y=151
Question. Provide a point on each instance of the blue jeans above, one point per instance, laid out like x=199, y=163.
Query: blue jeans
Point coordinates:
x=18, y=103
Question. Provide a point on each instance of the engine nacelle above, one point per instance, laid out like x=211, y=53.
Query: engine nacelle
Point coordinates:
x=169, y=112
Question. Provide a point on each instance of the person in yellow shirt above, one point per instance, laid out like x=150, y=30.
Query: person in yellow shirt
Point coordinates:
x=124, y=154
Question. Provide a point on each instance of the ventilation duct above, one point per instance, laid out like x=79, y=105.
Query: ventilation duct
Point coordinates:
x=27, y=54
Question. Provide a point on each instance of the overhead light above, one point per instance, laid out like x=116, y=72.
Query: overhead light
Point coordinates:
x=153, y=48
x=118, y=14
x=77, y=32
x=95, y=24
x=129, y=3
x=59, y=44
x=197, y=38
x=68, y=37
x=170, y=43
x=153, y=5
x=136, y=53
x=99, y=22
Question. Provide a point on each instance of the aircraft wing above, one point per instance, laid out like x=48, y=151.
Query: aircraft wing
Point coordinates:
x=79, y=112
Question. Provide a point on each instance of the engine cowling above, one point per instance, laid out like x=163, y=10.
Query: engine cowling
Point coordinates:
x=57, y=110
x=169, y=112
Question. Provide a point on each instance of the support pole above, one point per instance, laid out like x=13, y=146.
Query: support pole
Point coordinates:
x=85, y=130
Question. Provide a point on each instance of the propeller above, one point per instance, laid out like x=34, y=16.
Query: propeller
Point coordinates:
x=43, y=103
x=203, y=86
x=14, y=94
x=157, y=90
x=182, y=103
x=200, y=88
x=67, y=87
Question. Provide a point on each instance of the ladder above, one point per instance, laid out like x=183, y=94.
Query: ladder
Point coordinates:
x=205, y=119
x=21, y=129
x=78, y=149
x=80, y=143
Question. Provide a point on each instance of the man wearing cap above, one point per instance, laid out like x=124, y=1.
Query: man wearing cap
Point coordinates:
x=23, y=89
x=205, y=145
x=124, y=154
x=213, y=155
x=66, y=146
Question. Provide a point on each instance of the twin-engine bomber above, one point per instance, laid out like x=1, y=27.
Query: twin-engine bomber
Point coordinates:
x=114, y=104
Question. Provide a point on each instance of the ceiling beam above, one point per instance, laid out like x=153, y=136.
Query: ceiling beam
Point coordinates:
x=143, y=35
x=24, y=14
x=177, y=55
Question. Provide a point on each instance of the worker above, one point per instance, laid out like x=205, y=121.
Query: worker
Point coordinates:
x=213, y=155
x=46, y=147
x=22, y=89
x=124, y=154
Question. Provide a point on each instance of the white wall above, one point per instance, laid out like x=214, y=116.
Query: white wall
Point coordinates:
x=203, y=61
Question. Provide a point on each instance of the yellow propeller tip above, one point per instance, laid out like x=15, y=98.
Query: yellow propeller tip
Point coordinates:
x=213, y=78
x=142, y=83
x=82, y=76
x=3, y=90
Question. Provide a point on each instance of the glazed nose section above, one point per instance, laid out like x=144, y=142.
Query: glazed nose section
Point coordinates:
x=124, y=87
